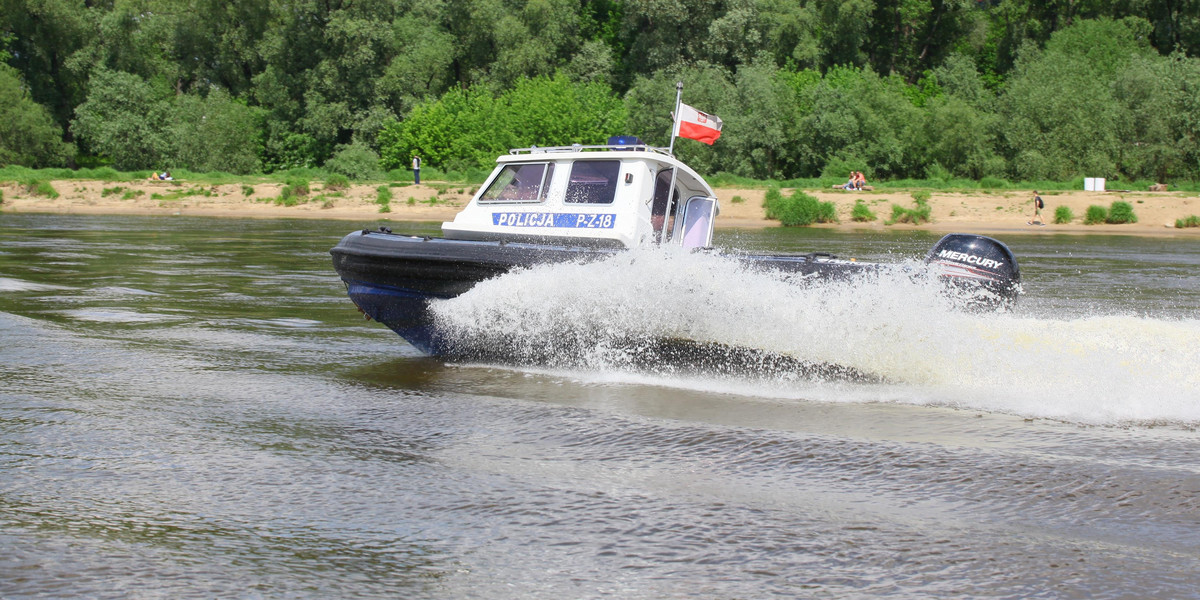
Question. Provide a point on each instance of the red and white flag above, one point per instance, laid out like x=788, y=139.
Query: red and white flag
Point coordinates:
x=693, y=124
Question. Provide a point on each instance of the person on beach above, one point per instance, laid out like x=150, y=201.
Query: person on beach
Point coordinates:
x=416, y=169
x=850, y=182
x=1038, y=205
x=859, y=180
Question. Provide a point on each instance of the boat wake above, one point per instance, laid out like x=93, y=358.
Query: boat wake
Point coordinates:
x=894, y=330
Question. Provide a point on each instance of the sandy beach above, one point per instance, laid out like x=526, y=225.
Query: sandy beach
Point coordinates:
x=983, y=211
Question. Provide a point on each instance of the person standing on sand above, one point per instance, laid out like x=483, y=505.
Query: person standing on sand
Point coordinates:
x=1037, y=210
x=417, y=169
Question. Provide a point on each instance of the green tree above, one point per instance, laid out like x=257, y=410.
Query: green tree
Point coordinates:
x=223, y=39
x=28, y=134
x=422, y=67
x=858, y=115
x=468, y=128
x=126, y=119
x=791, y=33
x=46, y=34
x=911, y=36
x=215, y=133
x=1060, y=118
x=844, y=27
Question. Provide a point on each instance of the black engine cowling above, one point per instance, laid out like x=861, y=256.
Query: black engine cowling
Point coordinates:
x=976, y=262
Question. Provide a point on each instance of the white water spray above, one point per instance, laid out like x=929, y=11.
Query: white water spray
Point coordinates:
x=898, y=324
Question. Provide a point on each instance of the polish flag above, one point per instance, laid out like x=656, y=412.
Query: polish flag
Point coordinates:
x=693, y=124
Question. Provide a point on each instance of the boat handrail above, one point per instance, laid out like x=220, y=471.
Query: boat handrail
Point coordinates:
x=582, y=147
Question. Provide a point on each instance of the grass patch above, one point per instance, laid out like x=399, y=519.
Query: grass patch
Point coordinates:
x=917, y=215
x=131, y=194
x=184, y=193
x=247, y=190
x=38, y=187
x=1121, y=213
x=737, y=200
x=296, y=187
x=1063, y=215
x=106, y=192
x=383, y=197
x=1095, y=215
x=1192, y=221
x=798, y=210
x=861, y=213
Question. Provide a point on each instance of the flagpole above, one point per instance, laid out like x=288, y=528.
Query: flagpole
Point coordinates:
x=675, y=116
x=675, y=169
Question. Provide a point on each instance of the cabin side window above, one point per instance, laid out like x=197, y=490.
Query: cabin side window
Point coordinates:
x=593, y=181
x=520, y=183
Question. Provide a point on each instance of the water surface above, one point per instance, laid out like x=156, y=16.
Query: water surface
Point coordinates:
x=190, y=408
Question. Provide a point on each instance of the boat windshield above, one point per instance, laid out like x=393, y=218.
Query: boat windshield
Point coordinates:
x=520, y=183
x=593, y=181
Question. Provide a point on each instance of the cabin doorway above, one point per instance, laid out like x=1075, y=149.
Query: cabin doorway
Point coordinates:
x=658, y=209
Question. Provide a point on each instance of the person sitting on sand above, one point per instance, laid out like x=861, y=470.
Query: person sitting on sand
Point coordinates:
x=1037, y=210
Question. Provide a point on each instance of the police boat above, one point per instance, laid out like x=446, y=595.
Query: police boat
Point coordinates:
x=584, y=203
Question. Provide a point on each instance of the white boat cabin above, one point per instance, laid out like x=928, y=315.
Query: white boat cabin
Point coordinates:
x=610, y=195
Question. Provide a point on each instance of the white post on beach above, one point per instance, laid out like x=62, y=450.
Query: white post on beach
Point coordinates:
x=664, y=237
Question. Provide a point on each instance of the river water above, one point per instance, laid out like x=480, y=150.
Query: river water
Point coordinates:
x=191, y=408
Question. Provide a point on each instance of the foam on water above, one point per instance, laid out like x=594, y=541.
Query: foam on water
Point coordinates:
x=9, y=284
x=900, y=325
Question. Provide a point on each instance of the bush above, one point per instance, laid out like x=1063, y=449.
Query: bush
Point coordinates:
x=247, y=190
x=1095, y=215
x=861, y=213
x=799, y=209
x=336, y=183
x=937, y=172
x=1120, y=213
x=1063, y=215
x=771, y=202
x=838, y=169
x=356, y=161
x=1192, y=221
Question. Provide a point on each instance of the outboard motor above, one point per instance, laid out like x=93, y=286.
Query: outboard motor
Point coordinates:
x=980, y=266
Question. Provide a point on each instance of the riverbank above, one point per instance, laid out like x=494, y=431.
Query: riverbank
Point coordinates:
x=982, y=211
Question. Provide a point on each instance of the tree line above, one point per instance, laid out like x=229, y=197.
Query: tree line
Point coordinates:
x=1024, y=89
